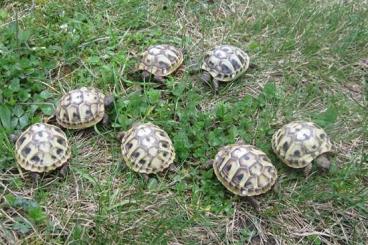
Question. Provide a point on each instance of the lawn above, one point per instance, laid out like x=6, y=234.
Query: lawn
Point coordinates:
x=310, y=62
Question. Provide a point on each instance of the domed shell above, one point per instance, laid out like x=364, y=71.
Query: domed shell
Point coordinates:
x=80, y=108
x=42, y=147
x=226, y=62
x=298, y=143
x=146, y=148
x=161, y=60
x=244, y=170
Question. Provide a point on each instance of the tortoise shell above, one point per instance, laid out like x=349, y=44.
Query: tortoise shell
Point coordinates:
x=244, y=170
x=42, y=147
x=161, y=60
x=80, y=108
x=298, y=143
x=146, y=148
x=225, y=62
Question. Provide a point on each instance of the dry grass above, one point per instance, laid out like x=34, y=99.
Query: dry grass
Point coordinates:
x=100, y=200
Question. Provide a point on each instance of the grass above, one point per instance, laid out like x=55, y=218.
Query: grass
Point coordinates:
x=311, y=63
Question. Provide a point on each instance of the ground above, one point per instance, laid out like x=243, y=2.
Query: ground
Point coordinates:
x=310, y=62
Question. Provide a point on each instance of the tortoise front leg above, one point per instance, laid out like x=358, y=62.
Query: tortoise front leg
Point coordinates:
x=105, y=119
x=215, y=84
x=51, y=119
x=307, y=170
x=206, y=78
x=172, y=168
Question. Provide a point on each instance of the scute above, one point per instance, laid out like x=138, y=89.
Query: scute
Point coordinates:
x=38, y=146
x=146, y=148
x=225, y=62
x=80, y=108
x=298, y=143
x=244, y=170
x=161, y=60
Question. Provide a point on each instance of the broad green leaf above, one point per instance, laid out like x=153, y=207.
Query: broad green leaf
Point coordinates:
x=47, y=109
x=5, y=116
x=45, y=94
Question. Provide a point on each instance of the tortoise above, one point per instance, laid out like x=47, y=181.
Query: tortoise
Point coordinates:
x=160, y=61
x=224, y=63
x=146, y=148
x=244, y=170
x=82, y=108
x=299, y=143
x=42, y=148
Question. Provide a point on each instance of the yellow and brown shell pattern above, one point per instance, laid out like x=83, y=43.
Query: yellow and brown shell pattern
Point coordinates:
x=226, y=62
x=42, y=148
x=80, y=108
x=244, y=170
x=298, y=143
x=161, y=60
x=146, y=148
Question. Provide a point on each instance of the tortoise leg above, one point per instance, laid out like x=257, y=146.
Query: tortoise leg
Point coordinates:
x=323, y=162
x=215, y=84
x=206, y=78
x=50, y=119
x=145, y=75
x=35, y=177
x=146, y=177
x=120, y=136
x=254, y=203
x=105, y=119
x=159, y=78
x=276, y=187
x=307, y=170
x=180, y=71
x=172, y=168
x=64, y=170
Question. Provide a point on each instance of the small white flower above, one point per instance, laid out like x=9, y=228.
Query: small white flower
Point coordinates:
x=64, y=27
